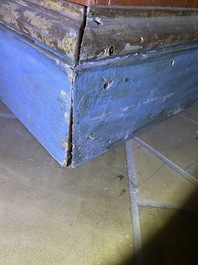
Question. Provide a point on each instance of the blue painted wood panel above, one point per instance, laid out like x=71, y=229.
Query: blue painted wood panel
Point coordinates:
x=96, y=105
x=36, y=88
x=113, y=101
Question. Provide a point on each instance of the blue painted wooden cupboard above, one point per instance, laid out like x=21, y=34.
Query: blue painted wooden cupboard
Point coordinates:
x=84, y=79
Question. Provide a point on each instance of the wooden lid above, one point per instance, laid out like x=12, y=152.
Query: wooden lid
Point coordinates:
x=162, y=3
x=101, y=32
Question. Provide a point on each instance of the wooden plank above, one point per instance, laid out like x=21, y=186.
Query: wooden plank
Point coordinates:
x=57, y=26
x=113, y=101
x=164, y=3
x=36, y=88
x=115, y=31
x=102, y=32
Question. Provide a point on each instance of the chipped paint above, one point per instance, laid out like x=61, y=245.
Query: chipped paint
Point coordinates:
x=38, y=21
x=98, y=80
x=66, y=43
x=105, y=32
x=9, y=12
x=131, y=48
x=135, y=30
x=65, y=145
x=59, y=29
x=53, y=4
x=142, y=92
x=63, y=93
x=67, y=117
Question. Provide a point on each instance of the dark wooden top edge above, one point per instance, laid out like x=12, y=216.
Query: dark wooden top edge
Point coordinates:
x=116, y=32
x=100, y=32
x=162, y=3
x=57, y=24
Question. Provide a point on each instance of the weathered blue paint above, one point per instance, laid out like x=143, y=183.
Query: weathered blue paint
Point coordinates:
x=114, y=101
x=94, y=106
x=36, y=88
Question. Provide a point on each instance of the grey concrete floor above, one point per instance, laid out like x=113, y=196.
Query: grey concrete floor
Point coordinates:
x=136, y=204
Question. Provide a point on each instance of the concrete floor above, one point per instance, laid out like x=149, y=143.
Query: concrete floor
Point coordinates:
x=137, y=204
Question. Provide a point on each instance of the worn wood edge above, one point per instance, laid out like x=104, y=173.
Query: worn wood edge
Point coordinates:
x=63, y=7
x=99, y=32
x=171, y=3
x=120, y=31
x=59, y=30
x=49, y=52
x=140, y=11
x=136, y=58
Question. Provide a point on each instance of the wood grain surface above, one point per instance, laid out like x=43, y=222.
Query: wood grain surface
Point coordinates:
x=171, y=3
x=114, y=31
x=58, y=26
